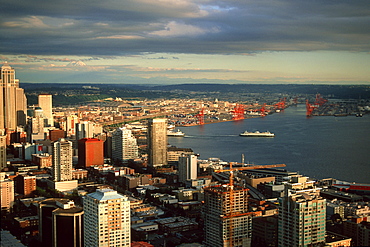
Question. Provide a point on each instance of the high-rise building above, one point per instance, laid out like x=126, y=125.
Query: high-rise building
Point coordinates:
x=124, y=145
x=62, y=160
x=87, y=129
x=69, y=126
x=46, y=104
x=6, y=192
x=2, y=150
x=106, y=219
x=60, y=223
x=13, y=102
x=188, y=167
x=90, y=152
x=301, y=220
x=38, y=121
x=227, y=221
x=157, y=142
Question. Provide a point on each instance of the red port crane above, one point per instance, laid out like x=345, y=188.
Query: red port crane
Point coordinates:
x=280, y=105
x=319, y=100
x=309, y=108
x=238, y=112
x=200, y=117
x=262, y=110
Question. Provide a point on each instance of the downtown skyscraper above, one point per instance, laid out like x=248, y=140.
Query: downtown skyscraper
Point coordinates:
x=124, y=145
x=106, y=219
x=46, y=104
x=157, y=142
x=62, y=160
x=302, y=214
x=13, y=102
x=227, y=221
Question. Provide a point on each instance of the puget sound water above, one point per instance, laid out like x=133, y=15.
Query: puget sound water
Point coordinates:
x=318, y=147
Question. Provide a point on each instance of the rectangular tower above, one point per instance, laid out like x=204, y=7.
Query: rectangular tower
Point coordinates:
x=301, y=220
x=90, y=152
x=13, y=102
x=124, y=145
x=2, y=151
x=6, y=192
x=227, y=221
x=62, y=160
x=188, y=167
x=46, y=104
x=106, y=219
x=157, y=142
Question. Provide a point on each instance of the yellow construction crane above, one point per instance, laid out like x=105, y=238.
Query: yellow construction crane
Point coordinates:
x=231, y=214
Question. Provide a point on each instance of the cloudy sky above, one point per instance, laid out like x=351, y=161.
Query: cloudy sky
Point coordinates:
x=187, y=41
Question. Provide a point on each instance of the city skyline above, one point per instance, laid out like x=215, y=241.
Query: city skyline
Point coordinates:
x=172, y=42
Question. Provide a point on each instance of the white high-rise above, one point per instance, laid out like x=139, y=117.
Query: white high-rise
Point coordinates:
x=69, y=126
x=188, y=167
x=62, y=160
x=87, y=129
x=46, y=104
x=124, y=145
x=106, y=219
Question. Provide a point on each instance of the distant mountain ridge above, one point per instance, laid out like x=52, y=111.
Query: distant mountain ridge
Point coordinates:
x=78, y=93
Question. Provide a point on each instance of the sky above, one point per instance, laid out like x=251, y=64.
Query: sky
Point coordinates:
x=187, y=41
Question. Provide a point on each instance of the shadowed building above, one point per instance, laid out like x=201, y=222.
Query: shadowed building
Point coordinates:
x=60, y=223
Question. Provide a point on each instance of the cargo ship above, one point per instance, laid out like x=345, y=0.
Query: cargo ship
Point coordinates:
x=257, y=134
x=177, y=133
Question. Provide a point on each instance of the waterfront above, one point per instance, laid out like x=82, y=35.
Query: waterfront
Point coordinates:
x=318, y=147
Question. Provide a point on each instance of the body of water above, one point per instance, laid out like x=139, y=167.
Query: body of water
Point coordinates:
x=319, y=147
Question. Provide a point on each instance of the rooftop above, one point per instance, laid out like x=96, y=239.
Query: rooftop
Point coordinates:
x=105, y=194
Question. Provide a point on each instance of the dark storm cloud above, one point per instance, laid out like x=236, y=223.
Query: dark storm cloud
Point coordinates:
x=115, y=27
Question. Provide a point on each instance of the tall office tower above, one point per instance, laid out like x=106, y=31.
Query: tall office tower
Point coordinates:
x=188, y=167
x=62, y=160
x=60, y=223
x=2, y=150
x=37, y=124
x=6, y=192
x=70, y=125
x=157, y=142
x=301, y=219
x=87, y=129
x=13, y=102
x=90, y=152
x=46, y=104
x=227, y=221
x=106, y=219
x=124, y=145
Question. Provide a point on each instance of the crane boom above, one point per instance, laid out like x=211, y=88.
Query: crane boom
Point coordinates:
x=249, y=167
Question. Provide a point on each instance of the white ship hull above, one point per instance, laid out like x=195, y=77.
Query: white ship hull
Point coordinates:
x=257, y=134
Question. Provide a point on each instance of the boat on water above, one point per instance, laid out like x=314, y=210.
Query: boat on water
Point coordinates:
x=177, y=133
x=257, y=134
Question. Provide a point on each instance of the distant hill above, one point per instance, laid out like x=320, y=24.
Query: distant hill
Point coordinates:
x=80, y=93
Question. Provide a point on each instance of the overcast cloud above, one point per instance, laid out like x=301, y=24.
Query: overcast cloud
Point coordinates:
x=113, y=28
